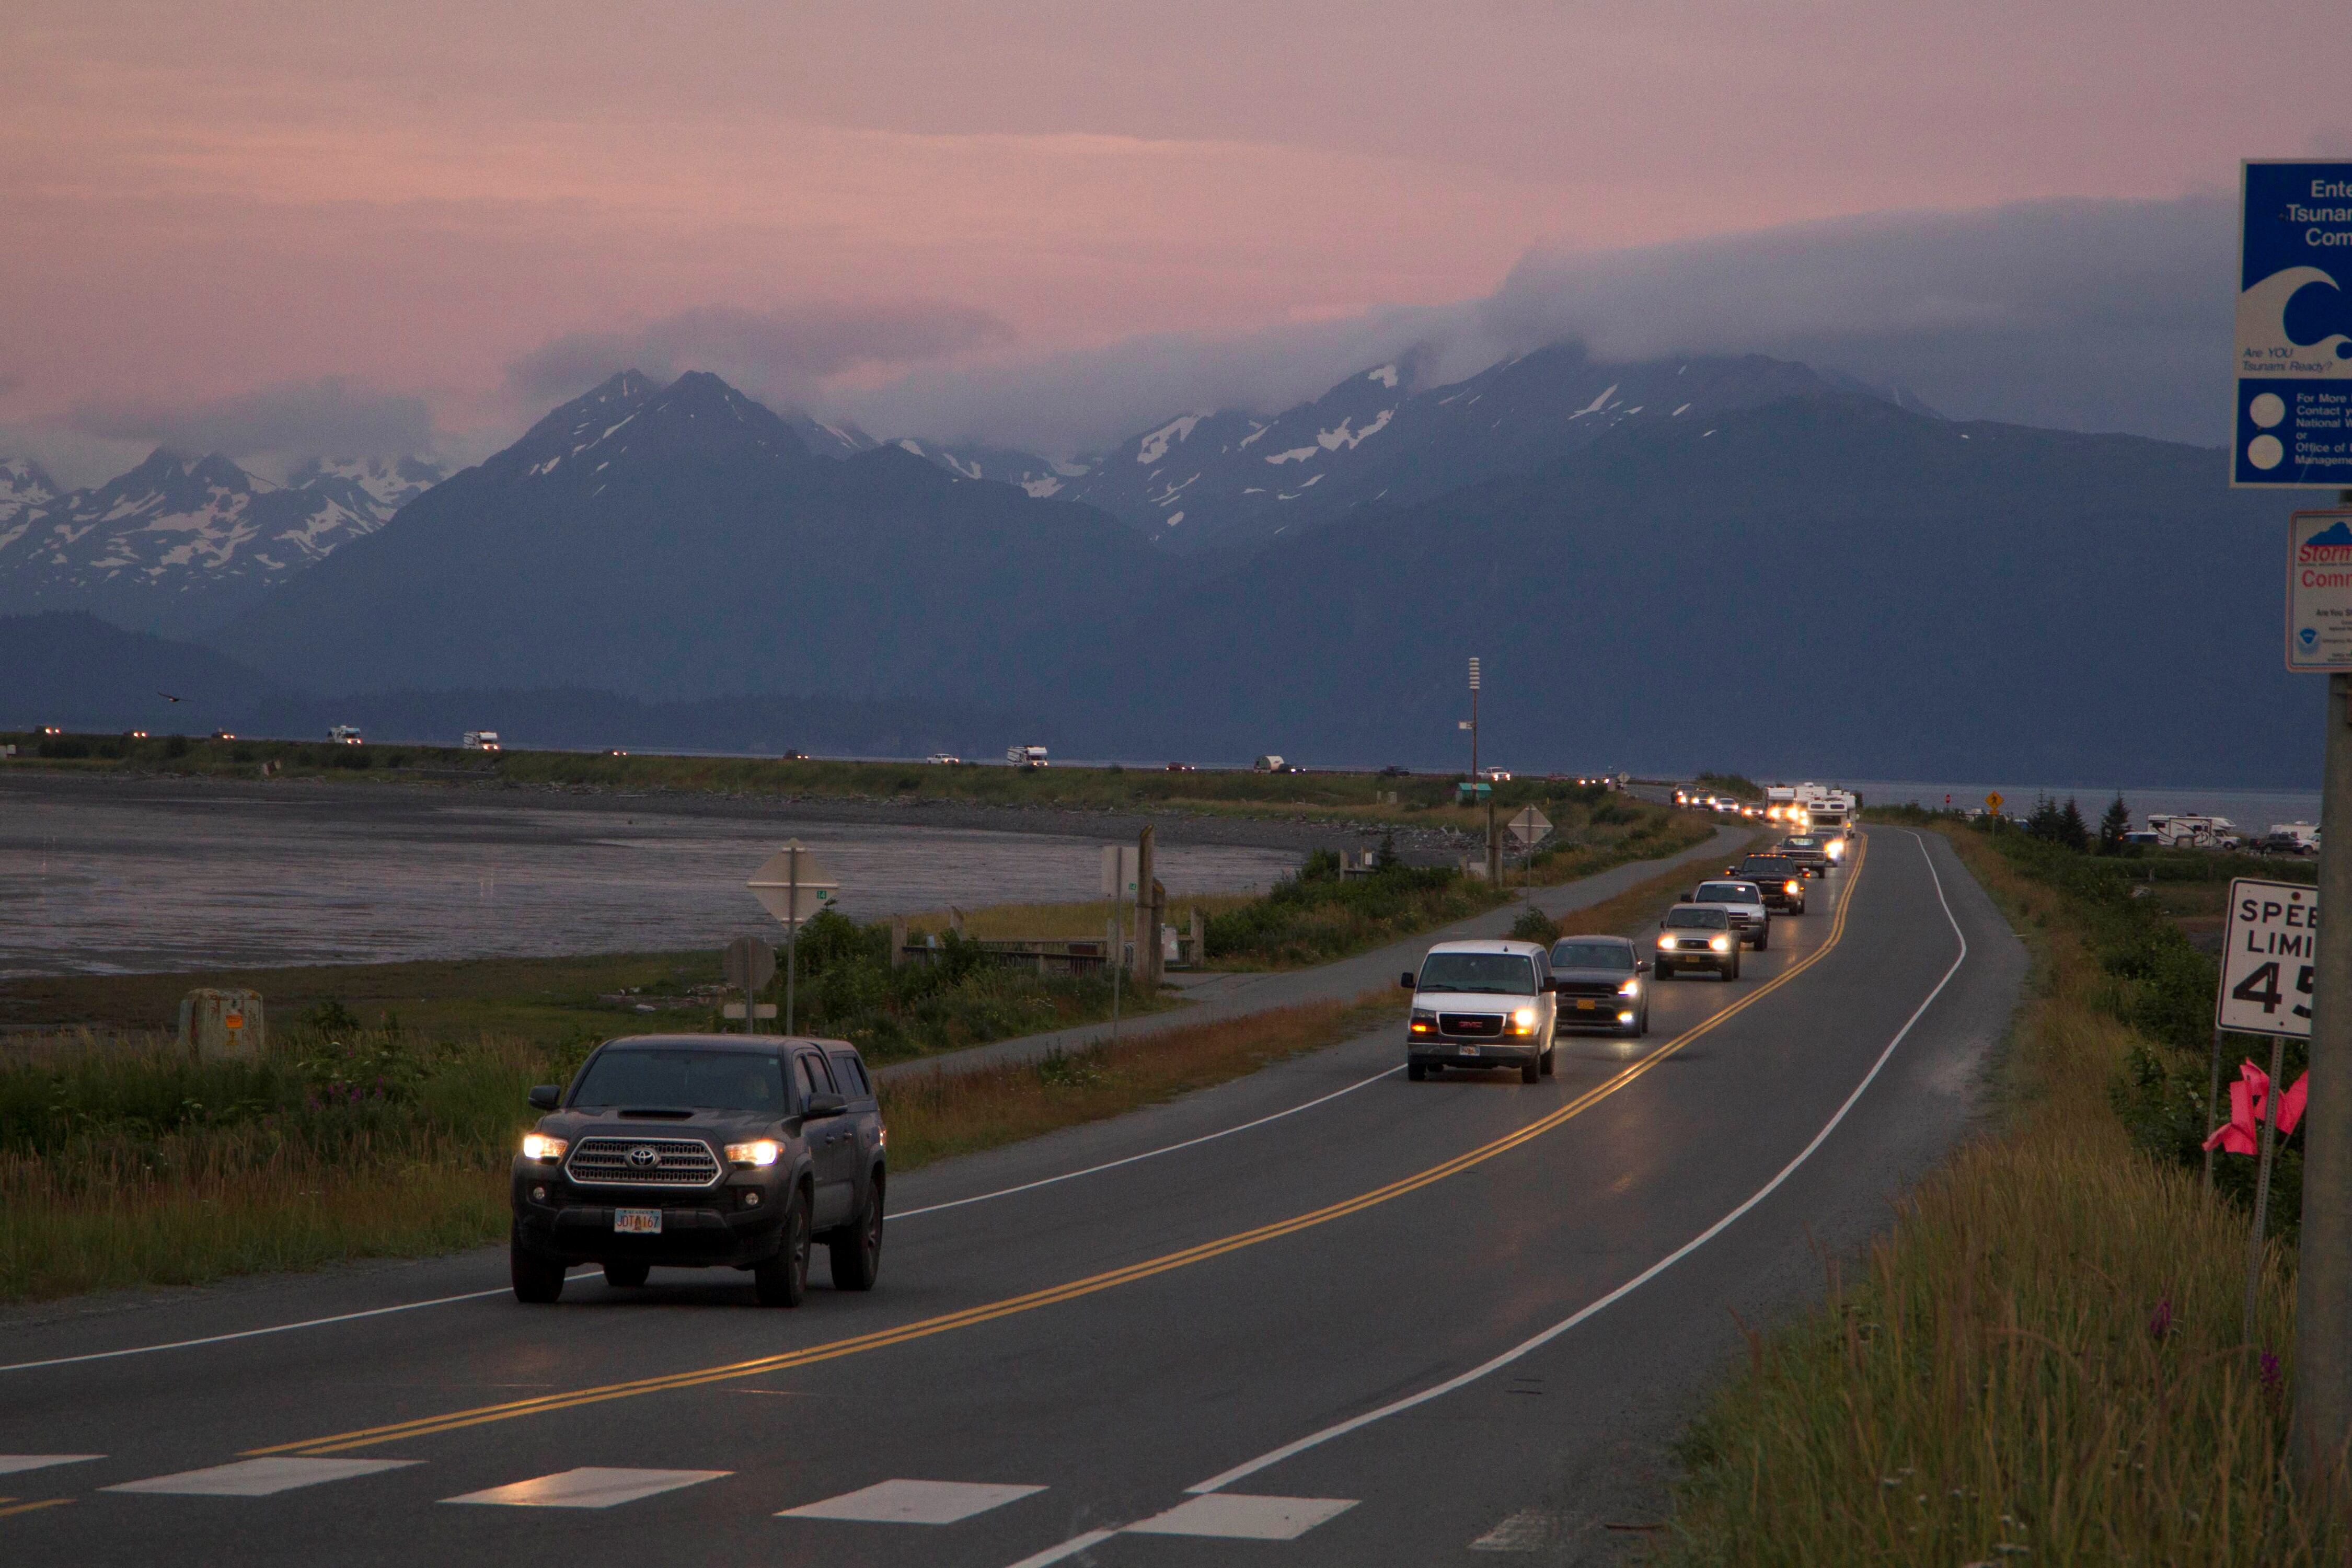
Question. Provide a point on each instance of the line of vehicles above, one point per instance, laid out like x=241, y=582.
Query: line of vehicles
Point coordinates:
x=1485, y=1004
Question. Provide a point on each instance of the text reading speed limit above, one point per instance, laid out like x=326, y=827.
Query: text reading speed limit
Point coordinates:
x=2267, y=958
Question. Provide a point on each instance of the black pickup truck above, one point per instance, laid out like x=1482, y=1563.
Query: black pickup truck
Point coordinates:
x=1780, y=879
x=703, y=1150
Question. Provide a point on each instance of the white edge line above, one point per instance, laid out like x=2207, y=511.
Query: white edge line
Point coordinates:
x=1069, y=1548
x=272, y=1329
x=1149, y=1153
x=1315, y=1439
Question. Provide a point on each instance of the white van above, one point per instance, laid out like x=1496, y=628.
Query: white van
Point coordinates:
x=1484, y=1004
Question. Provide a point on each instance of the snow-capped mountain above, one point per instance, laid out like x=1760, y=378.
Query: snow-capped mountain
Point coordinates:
x=1226, y=480
x=179, y=541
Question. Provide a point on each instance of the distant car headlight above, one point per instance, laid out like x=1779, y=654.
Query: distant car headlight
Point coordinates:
x=1631, y=988
x=1423, y=1020
x=1721, y=943
x=539, y=1146
x=761, y=1152
x=1836, y=848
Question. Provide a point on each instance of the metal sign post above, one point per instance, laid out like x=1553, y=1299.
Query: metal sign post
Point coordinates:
x=1122, y=873
x=748, y=964
x=1529, y=829
x=792, y=887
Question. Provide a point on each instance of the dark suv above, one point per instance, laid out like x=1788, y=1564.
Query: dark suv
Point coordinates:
x=1780, y=879
x=701, y=1151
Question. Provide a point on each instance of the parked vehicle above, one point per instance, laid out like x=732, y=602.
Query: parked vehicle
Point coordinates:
x=2186, y=830
x=1026, y=756
x=1271, y=762
x=1697, y=936
x=1744, y=900
x=945, y=759
x=1598, y=980
x=482, y=740
x=703, y=1150
x=1481, y=1005
x=2301, y=838
x=349, y=735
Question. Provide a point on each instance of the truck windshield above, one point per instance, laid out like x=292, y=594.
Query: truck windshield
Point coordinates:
x=683, y=1078
x=1504, y=974
x=1692, y=918
x=1611, y=955
x=1727, y=893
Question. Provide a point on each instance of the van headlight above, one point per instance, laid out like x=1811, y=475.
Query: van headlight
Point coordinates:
x=539, y=1146
x=1523, y=1021
x=760, y=1151
x=1721, y=943
x=1423, y=1021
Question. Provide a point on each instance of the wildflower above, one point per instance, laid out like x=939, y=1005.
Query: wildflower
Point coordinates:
x=2159, y=1322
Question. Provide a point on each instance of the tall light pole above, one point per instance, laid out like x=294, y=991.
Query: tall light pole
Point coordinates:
x=1474, y=720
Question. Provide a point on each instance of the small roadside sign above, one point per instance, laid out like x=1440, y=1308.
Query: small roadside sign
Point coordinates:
x=1121, y=869
x=1992, y=804
x=792, y=886
x=2294, y=382
x=2319, y=591
x=1529, y=826
x=2267, y=957
x=748, y=964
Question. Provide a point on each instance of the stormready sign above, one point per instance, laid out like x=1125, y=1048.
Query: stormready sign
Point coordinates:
x=2319, y=591
x=2294, y=328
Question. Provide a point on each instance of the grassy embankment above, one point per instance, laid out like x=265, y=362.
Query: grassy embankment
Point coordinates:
x=124, y=1164
x=2043, y=1361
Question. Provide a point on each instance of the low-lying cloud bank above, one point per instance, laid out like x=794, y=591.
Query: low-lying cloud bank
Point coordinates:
x=327, y=417
x=2091, y=315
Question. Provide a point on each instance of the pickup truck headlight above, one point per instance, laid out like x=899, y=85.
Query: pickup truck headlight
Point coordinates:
x=1792, y=889
x=1423, y=1020
x=1666, y=941
x=1523, y=1021
x=1631, y=988
x=1721, y=943
x=760, y=1151
x=539, y=1146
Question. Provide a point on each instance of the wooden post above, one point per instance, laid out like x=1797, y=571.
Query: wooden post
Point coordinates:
x=1200, y=940
x=955, y=920
x=1147, y=947
x=897, y=941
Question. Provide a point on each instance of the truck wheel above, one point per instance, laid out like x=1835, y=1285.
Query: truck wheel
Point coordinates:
x=857, y=1251
x=1731, y=971
x=1415, y=1072
x=1663, y=971
x=536, y=1281
x=1531, y=1070
x=1549, y=1051
x=782, y=1281
x=627, y=1275
x=1763, y=936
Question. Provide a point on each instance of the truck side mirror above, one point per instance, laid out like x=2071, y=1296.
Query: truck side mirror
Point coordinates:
x=1640, y=966
x=823, y=1105
x=1408, y=981
x=546, y=1096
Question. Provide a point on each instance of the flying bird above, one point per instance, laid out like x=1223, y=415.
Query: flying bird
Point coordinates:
x=169, y=698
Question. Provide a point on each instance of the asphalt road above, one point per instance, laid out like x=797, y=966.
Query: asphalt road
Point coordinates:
x=1402, y=1323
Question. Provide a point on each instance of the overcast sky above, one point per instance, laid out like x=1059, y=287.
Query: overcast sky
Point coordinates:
x=274, y=225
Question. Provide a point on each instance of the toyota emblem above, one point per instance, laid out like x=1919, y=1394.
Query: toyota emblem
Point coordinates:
x=645, y=1156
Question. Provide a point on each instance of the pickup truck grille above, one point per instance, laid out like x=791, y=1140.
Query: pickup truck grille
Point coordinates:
x=1589, y=987
x=1694, y=944
x=1479, y=1023
x=642, y=1163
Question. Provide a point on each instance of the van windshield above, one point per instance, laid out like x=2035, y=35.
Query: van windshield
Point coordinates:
x=1504, y=974
x=683, y=1078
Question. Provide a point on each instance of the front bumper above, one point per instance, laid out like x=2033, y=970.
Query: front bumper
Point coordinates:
x=1508, y=1051
x=1612, y=1011
x=712, y=1228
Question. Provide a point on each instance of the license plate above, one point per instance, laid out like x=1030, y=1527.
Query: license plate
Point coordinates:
x=637, y=1222
x=1587, y=1005
x=1467, y=1050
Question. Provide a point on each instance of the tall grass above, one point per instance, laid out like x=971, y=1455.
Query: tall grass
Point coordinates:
x=2043, y=1361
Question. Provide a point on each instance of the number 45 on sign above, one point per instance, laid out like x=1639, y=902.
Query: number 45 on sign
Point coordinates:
x=2266, y=959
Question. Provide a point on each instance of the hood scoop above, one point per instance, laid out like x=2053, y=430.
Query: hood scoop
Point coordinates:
x=654, y=1114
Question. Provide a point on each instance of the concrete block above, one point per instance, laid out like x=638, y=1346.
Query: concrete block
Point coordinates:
x=223, y=1026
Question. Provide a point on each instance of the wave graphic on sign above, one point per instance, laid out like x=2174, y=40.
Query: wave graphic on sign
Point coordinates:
x=2263, y=334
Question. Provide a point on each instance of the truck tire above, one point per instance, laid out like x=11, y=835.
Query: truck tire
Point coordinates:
x=1548, y=1052
x=1662, y=971
x=856, y=1249
x=1731, y=971
x=1531, y=1070
x=1414, y=1072
x=536, y=1280
x=627, y=1275
x=1764, y=936
x=782, y=1281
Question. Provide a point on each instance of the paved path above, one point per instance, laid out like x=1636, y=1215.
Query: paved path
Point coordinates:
x=1238, y=996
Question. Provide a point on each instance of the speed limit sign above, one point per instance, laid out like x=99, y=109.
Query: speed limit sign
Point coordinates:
x=2267, y=958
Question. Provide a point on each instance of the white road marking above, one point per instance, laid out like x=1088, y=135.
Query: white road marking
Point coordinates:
x=1529, y=1530
x=1315, y=1439
x=913, y=1502
x=1070, y=1548
x=1237, y=1516
x=1147, y=1153
x=589, y=1487
x=272, y=1329
x=10, y=1464
x=259, y=1477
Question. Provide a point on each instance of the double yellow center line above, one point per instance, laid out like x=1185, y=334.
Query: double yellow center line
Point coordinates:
x=428, y=1426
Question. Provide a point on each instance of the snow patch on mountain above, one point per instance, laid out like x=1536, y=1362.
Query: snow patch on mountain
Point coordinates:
x=1153, y=447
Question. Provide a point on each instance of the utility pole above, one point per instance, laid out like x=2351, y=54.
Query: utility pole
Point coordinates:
x=2322, y=1423
x=1479, y=784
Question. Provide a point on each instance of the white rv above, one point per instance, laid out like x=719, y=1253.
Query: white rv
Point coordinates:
x=1026, y=756
x=2183, y=830
x=346, y=735
x=481, y=740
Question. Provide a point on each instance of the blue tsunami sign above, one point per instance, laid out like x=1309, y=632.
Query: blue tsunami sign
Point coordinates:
x=2294, y=328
